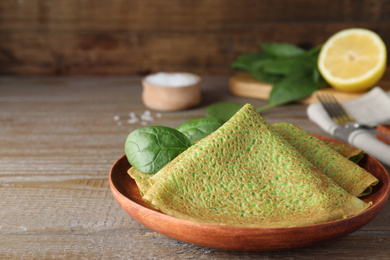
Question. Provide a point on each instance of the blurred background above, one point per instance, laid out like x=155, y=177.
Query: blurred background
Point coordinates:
x=137, y=37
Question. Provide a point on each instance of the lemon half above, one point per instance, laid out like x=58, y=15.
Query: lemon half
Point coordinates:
x=353, y=59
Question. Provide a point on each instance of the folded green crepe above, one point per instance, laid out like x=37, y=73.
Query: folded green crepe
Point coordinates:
x=141, y=179
x=352, y=153
x=347, y=174
x=245, y=174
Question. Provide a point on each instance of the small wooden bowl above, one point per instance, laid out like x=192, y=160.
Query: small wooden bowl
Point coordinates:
x=127, y=194
x=171, y=98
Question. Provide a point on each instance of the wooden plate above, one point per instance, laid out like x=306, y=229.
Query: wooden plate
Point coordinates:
x=127, y=194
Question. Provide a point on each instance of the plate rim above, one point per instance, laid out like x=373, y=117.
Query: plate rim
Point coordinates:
x=142, y=213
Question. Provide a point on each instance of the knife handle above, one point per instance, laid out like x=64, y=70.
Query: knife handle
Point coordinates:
x=383, y=133
x=342, y=133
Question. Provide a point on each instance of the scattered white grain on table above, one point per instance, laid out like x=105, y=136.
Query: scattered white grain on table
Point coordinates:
x=144, y=118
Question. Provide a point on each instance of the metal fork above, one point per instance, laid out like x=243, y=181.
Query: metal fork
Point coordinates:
x=337, y=112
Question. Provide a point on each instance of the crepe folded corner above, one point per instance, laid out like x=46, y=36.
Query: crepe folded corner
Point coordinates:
x=141, y=179
x=245, y=174
x=352, y=153
x=347, y=174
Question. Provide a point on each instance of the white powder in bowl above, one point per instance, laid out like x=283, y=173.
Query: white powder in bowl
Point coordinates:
x=171, y=79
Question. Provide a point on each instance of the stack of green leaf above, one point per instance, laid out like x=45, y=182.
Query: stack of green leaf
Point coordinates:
x=291, y=70
x=249, y=173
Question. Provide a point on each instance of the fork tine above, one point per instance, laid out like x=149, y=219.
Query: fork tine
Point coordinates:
x=342, y=112
x=334, y=109
x=338, y=111
x=328, y=107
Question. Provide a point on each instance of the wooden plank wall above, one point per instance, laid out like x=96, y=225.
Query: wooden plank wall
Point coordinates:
x=135, y=37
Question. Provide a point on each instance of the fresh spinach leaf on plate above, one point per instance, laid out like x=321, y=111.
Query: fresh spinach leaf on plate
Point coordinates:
x=150, y=148
x=223, y=110
x=199, y=128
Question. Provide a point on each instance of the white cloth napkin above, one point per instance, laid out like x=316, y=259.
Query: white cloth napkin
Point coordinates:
x=372, y=108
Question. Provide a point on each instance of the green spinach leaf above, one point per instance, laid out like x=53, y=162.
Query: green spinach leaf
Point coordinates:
x=258, y=71
x=148, y=149
x=199, y=128
x=291, y=70
x=223, y=110
x=286, y=66
x=286, y=91
x=282, y=49
x=245, y=61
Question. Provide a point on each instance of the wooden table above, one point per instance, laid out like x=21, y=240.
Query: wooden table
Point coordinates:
x=59, y=137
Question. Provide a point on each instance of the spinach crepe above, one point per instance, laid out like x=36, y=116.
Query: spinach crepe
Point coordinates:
x=141, y=179
x=352, y=153
x=347, y=174
x=245, y=174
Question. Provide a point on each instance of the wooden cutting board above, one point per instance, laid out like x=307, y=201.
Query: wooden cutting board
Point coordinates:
x=244, y=85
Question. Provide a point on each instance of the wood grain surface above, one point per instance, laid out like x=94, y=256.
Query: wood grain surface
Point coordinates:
x=75, y=37
x=59, y=137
